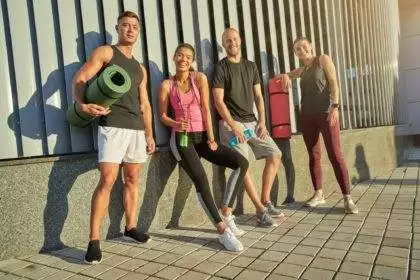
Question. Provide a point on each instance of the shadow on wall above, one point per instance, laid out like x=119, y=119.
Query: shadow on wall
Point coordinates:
x=361, y=165
x=61, y=179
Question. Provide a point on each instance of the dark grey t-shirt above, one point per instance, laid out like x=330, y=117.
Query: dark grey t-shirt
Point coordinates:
x=237, y=80
x=125, y=112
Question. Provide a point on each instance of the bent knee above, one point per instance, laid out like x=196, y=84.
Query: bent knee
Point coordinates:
x=243, y=163
x=274, y=159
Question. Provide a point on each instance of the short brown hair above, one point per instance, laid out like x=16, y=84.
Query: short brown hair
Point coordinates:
x=128, y=14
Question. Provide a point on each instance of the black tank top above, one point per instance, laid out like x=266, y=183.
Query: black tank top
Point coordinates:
x=315, y=90
x=125, y=113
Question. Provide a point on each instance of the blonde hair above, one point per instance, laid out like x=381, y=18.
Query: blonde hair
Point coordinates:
x=227, y=30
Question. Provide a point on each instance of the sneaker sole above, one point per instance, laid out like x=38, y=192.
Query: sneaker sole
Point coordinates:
x=351, y=212
x=315, y=205
x=267, y=226
x=259, y=225
x=130, y=239
x=277, y=215
x=92, y=262
x=230, y=250
x=238, y=234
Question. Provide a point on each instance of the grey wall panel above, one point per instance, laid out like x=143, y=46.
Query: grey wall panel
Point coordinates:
x=52, y=81
x=171, y=32
x=375, y=74
x=293, y=12
x=385, y=62
x=273, y=55
x=8, y=125
x=350, y=66
x=92, y=16
x=263, y=56
x=364, y=64
x=310, y=22
x=317, y=15
x=300, y=17
x=284, y=50
x=356, y=67
x=187, y=21
x=259, y=15
x=202, y=35
x=111, y=11
x=155, y=64
x=233, y=14
x=249, y=38
x=29, y=98
x=219, y=26
x=347, y=91
x=72, y=44
x=331, y=44
x=133, y=5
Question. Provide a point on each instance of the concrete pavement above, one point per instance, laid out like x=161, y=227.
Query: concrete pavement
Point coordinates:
x=381, y=242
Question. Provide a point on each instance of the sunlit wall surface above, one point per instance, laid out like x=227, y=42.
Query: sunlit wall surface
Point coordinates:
x=45, y=42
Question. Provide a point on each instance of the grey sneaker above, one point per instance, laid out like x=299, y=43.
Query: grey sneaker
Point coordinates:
x=350, y=207
x=314, y=201
x=265, y=219
x=230, y=222
x=273, y=211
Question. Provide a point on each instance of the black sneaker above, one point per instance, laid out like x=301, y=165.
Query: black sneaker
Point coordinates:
x=137, y=235
x=93, y=254
x=288, y=200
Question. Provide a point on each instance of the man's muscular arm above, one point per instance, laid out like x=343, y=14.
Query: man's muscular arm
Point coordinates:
x=100, y=57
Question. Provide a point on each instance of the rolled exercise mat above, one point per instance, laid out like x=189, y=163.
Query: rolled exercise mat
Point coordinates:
x=279, y=110
x=112, y=83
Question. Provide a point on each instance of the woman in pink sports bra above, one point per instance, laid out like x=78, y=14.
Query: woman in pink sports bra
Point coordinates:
x=187, y=92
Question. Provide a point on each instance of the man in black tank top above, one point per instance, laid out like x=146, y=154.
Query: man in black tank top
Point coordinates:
x=125, y=131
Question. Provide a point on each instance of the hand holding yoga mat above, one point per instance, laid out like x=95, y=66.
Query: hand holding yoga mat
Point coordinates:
x=105, y=90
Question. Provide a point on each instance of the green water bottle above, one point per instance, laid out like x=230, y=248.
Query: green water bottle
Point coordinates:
x=183, y=140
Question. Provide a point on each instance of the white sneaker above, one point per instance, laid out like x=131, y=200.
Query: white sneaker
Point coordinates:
x=230, y=222
x=230, y=242
x=350, y=207
x=314, y=201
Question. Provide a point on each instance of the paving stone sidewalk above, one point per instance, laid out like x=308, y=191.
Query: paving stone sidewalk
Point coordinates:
x=381, y=242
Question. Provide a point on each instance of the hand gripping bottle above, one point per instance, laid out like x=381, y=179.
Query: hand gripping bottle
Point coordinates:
x=248, y=133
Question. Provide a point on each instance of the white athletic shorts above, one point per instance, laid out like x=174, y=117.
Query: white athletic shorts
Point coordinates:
x=118, y=145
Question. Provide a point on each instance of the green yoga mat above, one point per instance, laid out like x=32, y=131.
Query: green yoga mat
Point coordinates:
x=105, y=90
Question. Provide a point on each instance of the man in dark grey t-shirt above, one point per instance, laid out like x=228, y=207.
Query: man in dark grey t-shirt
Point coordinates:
x=236, y=86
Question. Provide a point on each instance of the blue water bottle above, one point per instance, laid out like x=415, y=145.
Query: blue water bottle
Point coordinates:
x=248, y=133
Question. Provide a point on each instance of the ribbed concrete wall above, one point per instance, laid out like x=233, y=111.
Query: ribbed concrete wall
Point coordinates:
x=45, y=42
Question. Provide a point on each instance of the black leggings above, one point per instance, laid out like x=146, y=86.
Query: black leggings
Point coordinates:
x=223, y=156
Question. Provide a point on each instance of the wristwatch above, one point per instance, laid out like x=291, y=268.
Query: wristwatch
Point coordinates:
x=335, y=105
